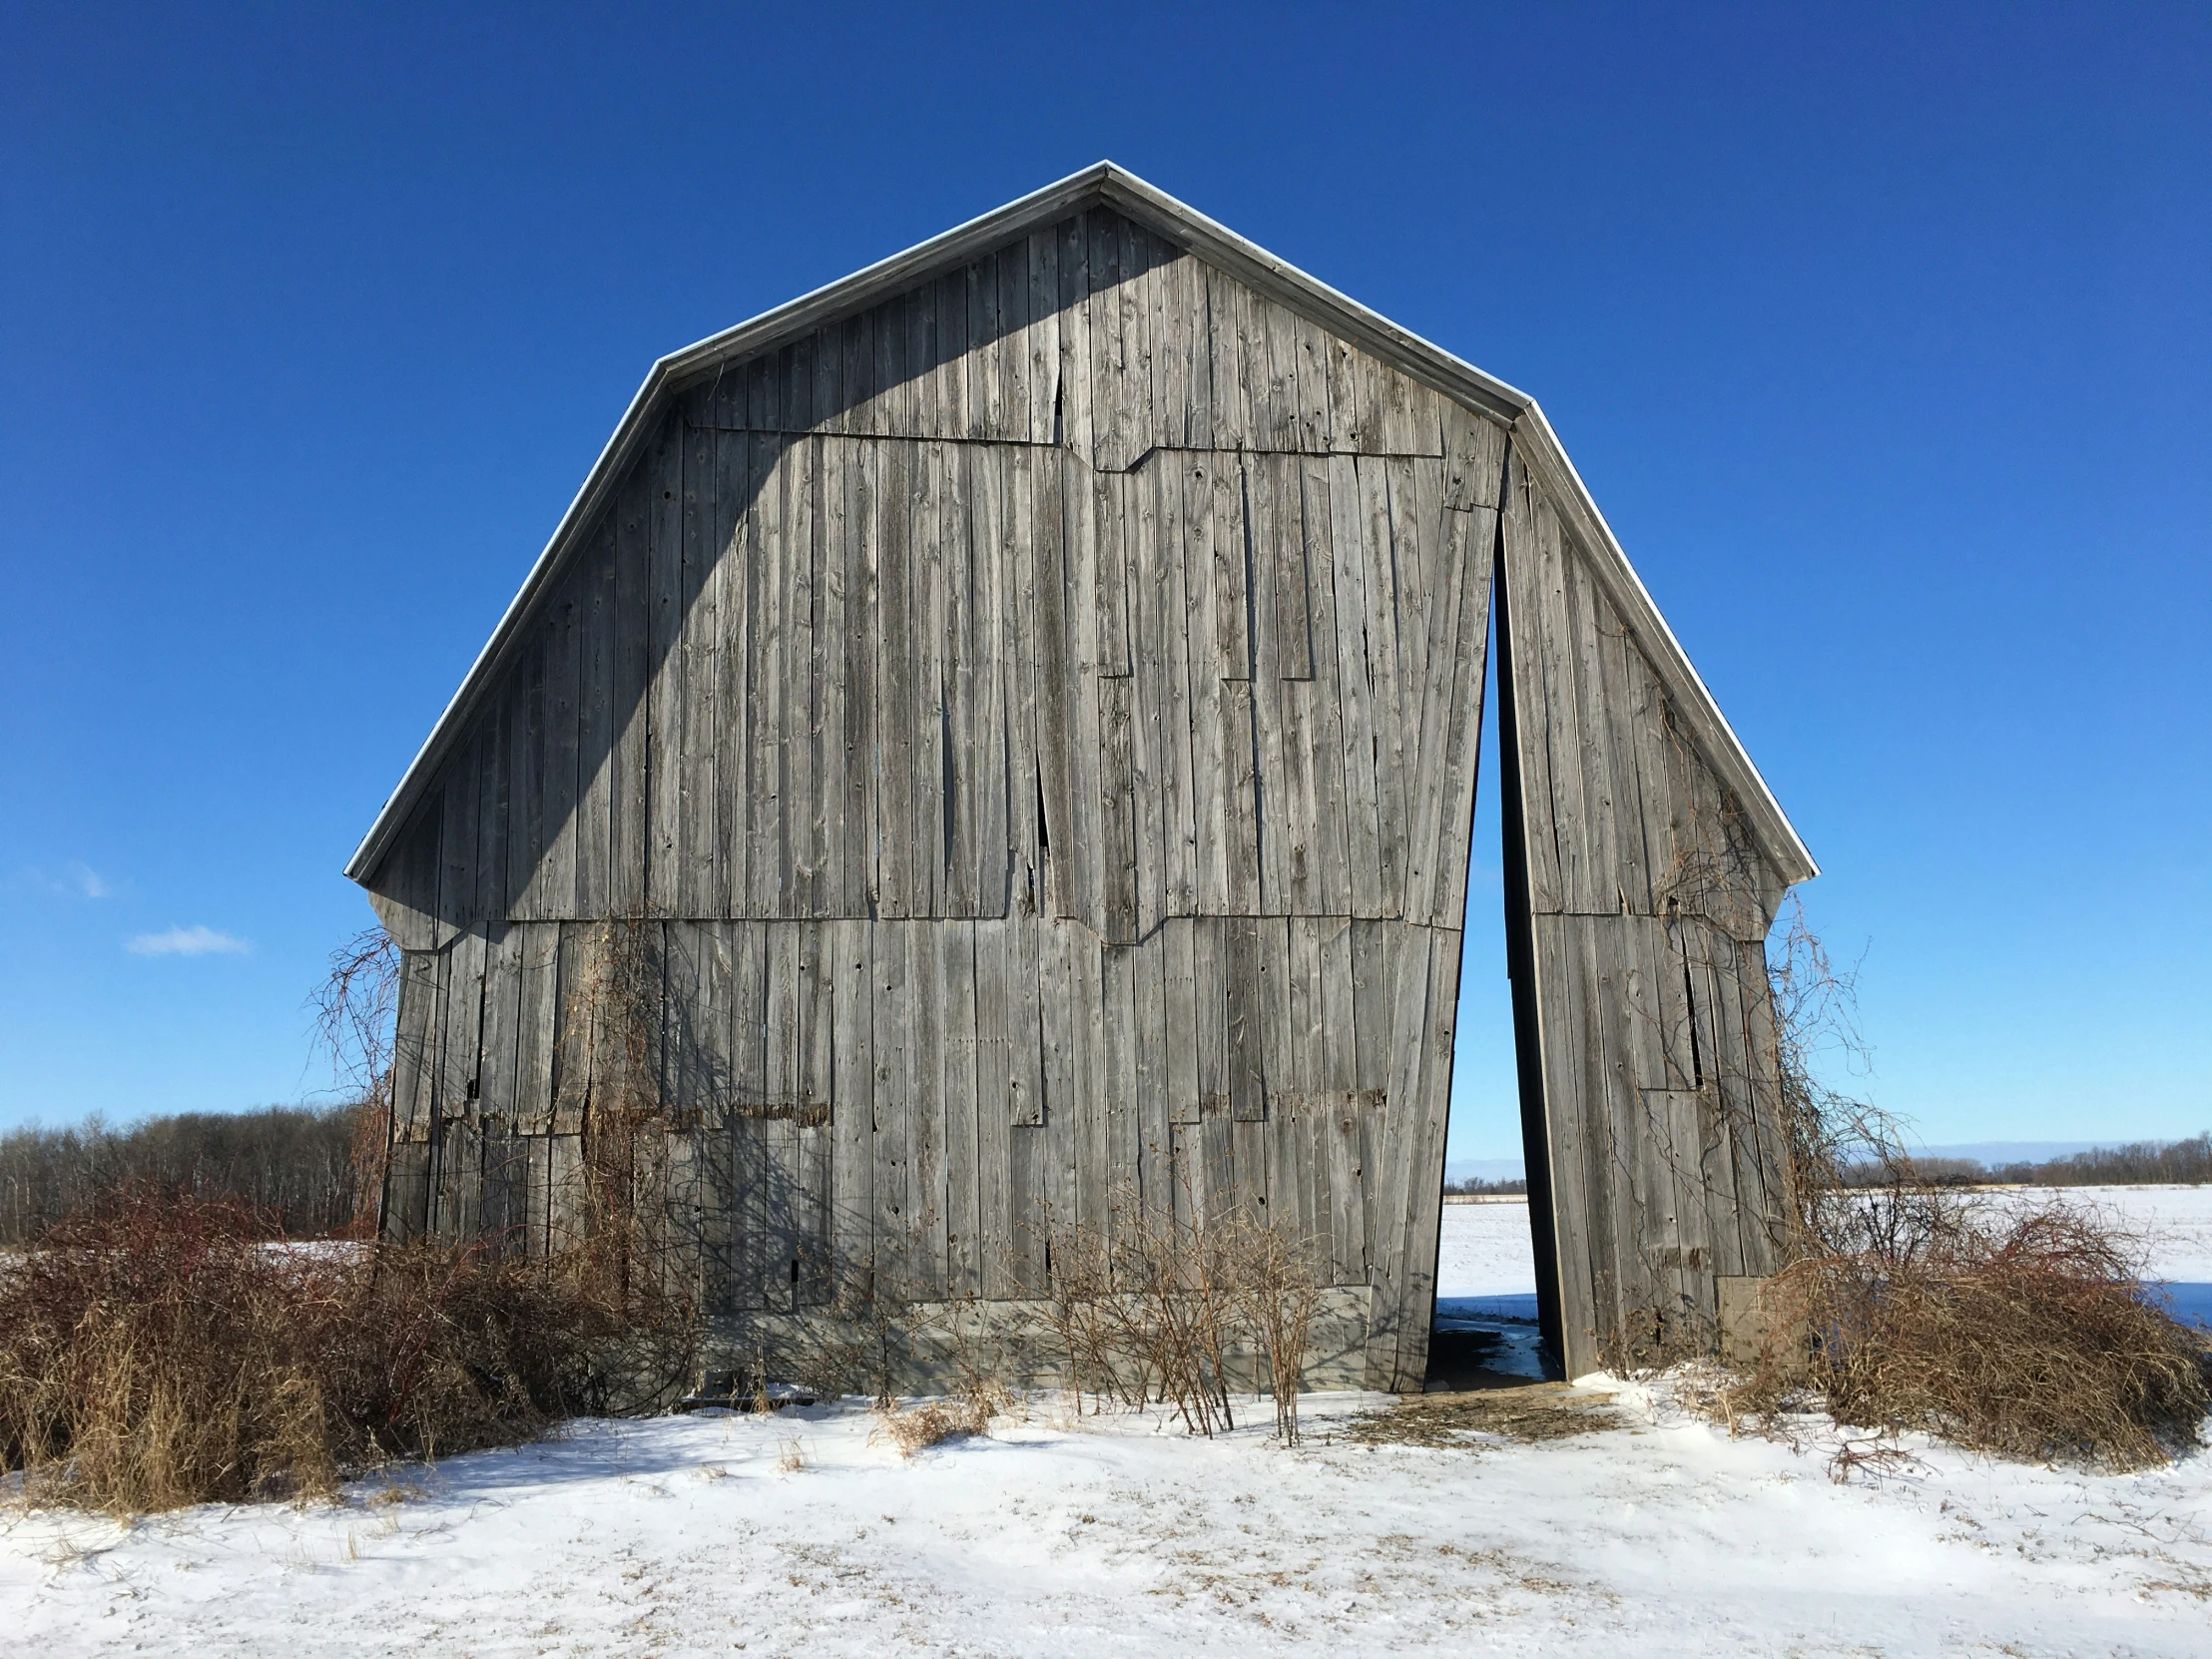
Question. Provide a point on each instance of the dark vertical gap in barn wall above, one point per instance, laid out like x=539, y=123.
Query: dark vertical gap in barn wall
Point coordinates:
x=948, y=780
x=1520, y=968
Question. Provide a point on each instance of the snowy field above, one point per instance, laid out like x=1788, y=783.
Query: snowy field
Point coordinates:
x=1483, y=1255
x=807, y=1533
x=1483, y=1251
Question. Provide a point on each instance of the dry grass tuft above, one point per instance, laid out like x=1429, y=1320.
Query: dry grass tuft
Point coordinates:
x=157, y=1353
x=936, y=1421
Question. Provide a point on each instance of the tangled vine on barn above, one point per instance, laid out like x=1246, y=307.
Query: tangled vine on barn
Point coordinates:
x=1001, y=733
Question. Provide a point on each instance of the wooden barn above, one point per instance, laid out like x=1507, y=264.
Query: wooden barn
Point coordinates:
x=1005, y=724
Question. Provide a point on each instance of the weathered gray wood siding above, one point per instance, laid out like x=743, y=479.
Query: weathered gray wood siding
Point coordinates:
x=1039, y=717
x=1639, y=963
x=1034, y=721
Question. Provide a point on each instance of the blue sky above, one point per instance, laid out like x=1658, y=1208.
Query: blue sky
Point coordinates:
x=1884, y=337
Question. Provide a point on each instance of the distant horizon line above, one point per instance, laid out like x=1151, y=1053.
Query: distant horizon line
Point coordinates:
x=1987, y=1151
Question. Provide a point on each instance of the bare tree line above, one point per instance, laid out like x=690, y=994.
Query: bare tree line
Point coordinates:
x=294, y=1165
x=1476, y=1186
x=2138, y=1164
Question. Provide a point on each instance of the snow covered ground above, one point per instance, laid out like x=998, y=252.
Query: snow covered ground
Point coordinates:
x=807, y=1533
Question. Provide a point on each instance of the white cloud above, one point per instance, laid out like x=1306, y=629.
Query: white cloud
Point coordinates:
x=75, y=880
x=186, y=941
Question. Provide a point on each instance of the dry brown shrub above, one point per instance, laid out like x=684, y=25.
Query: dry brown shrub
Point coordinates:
x=936, y=1421
x=1278, y=1293
x=1146, y=1309
x=1153, y=1305
x=1908, y=1304
x=158, y=1354
x=2019, y=1332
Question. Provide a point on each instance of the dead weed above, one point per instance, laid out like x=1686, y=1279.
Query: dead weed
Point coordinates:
x=936, y=1421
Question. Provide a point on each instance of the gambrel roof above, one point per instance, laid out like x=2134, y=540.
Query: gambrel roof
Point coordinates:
x=1115, y=188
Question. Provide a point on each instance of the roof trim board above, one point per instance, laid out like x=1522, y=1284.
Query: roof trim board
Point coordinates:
x=1217, y=244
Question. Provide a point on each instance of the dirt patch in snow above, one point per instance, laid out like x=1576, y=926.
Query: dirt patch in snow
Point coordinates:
x=1537, y=1412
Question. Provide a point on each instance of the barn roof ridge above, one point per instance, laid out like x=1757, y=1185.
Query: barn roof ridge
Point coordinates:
x=1216, y=243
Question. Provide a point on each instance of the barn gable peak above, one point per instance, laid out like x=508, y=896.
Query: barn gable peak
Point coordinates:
x=692, y=371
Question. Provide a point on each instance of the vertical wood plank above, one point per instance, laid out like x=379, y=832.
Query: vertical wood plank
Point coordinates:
x=1042, y=335
x=1180, y=1001
x=1167, y=682
x=654, y=725
x=536, y=1021
x=991, y=676
x=891, y=1000
x=780, y=1225
x=1118, y=809
x=1062, y=1118
x=956, y=1038
x=416, y=1029
x=966, y=675
x=494, y=786
x=995, y=1108
x=499, y=1074
x=1076, y=429
x=859, y=612
x=933, y=825
x=649, y=538
x=1356, y=694
x=1054, y=679
x=1154, y=1069
x=526, y=764
x=897, y=692
x=1210, y=971
x=1229, y=402
x=1152, y=769
x=733, y=582
x=929, y=1194
x=1086, y=841
x=1336, y=1070
x=853, y=1094
x=834, y=780
x=456, y=905
x=813, y=1112
x=1208, y=760
x=1247, y=1019
x=594, y=808
x=750, y=1097
x=767, y=850
x=699, y=886
x=1120, y=1110
x=804, y=829
x=1383, y=581
x=1239, y=731
x=1094, y=1081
